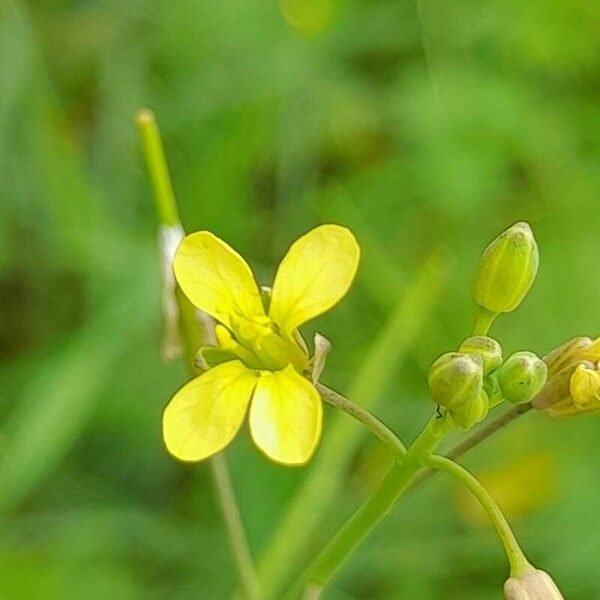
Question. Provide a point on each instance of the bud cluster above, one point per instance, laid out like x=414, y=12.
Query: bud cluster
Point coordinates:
x=573, y=386
x=463, y=383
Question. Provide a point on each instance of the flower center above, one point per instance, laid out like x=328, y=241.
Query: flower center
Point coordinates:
x=261, y=336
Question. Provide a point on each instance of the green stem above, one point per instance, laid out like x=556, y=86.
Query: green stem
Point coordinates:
x=484, y=321
x=192, y=337
x=157, y=167
x=235, y=527
x=370, y=421
x=328, y=561
x=473, y=440
x=519, y=565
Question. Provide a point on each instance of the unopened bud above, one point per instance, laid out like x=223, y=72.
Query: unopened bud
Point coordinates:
x=585, y=388
x=555, y=394
x=486, y=348
x=534, y=585
x=456, y=381
x=522, y=377
x=471, y=413
x=507, y=269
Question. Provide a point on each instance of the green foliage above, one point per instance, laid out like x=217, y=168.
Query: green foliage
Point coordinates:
x=429, y=126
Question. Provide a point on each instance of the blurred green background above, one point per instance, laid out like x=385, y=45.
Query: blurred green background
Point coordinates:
x=427, y=128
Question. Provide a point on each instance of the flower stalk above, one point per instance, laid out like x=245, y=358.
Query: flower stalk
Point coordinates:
x=191, y=332
x=158, y=171
x=519, y=565
x=366, y=418
x=394, y=484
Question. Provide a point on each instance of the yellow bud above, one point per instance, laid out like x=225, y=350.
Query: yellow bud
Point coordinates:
x=507, y=269
x=486, y=348
x=533, y=585
x=585, y=388
x=573, y=385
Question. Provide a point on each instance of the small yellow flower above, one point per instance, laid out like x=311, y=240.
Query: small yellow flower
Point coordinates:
x=266, y=365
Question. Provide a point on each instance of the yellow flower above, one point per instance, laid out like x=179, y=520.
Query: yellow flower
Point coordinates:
x=266, y=362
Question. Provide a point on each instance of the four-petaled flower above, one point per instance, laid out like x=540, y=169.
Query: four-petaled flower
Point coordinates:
x=263, y=360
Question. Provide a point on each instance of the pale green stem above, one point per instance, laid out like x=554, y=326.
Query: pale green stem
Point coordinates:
x=191, y=336
x=484, y=322
x=157, y=167
x=235, y=527
x=519, y=565
x=370, y=421
x=328, y=561
x=473, y=440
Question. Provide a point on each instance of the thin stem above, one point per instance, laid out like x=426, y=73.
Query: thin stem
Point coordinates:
x=366, y=418
x=474, y=440
x=327, y=562
x=485, y=318
x=192, y=337
x=234, y=526
x=519, y=564
x=487, y=430
x=157, y=167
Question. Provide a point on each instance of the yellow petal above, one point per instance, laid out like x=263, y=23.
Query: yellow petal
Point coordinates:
x=585, y=388
x=206, y=413
x=314, y=275
x=216, y=278
x=286, y=416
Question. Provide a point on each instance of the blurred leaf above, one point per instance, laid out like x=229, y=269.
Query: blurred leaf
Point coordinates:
x=59, y=395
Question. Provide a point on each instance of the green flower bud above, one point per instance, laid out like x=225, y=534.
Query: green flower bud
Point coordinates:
x=522, y=376
x=507, y=270
x=486, y=348
x=472, y=412
x=455, y=380
x=533, y=585
x=490, y=385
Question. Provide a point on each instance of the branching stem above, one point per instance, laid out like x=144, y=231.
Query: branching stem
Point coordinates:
x=519, y=564
x=394, y=484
